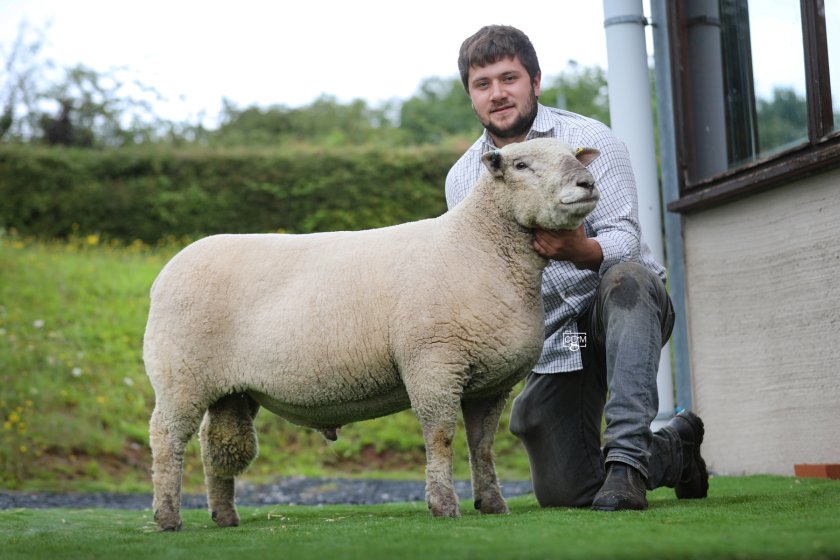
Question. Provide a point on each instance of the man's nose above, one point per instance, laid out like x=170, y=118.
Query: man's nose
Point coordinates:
x=496, y=90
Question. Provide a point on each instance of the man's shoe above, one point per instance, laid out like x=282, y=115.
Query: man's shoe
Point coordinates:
x=623, y=489
x=694, y=480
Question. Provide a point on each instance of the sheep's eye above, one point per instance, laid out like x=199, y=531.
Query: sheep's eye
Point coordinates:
x=521, y=165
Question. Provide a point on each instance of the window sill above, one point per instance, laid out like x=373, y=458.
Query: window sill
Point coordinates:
x=760, y=175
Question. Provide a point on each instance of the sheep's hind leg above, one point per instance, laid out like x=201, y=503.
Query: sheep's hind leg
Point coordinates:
x=481, y=420
x=168, y=437
x=228, y=445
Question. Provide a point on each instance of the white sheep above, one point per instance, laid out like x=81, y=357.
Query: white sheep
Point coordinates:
x=331, y=328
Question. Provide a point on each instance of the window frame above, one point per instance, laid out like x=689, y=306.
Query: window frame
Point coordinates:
x=821, y=150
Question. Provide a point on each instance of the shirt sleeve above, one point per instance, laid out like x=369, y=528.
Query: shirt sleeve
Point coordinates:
x=615, y=221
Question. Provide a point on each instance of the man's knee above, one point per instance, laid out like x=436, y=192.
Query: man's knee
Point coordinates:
x=523, y=416
x=628, y=283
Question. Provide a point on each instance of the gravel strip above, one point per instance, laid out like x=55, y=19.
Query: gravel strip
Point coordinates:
x=286, y=491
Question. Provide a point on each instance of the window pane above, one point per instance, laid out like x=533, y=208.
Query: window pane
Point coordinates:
x=832, y=31
x=779, y=73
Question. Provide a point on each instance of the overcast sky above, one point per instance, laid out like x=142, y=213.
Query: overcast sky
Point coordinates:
x=290, y=52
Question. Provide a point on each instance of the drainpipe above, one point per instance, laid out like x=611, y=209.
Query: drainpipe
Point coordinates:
x=670, y=191
x=631, y=117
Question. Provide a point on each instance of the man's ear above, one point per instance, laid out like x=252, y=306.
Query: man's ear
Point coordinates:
x=586, y=155
x=493, y=161
x=536, y=83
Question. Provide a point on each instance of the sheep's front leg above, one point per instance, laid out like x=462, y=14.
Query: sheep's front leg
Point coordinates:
x=437, y=411
x=481, y=420
x=440, y=488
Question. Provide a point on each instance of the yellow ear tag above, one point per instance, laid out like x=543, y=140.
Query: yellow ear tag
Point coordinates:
x=578, y=151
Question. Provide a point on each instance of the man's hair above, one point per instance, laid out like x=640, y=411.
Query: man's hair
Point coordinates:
x=491, y=44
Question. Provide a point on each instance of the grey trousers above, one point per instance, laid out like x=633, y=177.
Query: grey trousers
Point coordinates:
x=558, y=417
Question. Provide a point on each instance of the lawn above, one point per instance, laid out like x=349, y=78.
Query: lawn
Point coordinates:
x=746, y=517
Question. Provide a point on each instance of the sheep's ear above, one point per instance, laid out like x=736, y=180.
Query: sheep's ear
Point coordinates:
x=586, y=155
x=493, y=162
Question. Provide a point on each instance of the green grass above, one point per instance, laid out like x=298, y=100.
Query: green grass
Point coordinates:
x=748, y=517
x=75, y=400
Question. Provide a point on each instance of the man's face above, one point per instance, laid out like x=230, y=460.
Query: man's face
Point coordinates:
x=504, y=99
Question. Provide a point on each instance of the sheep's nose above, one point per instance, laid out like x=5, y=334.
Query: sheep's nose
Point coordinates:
x=588, y=185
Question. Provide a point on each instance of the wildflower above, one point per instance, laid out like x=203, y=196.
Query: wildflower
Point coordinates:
x=92, y=239
x=77, y=372
x=38, y=323
x=128, y=381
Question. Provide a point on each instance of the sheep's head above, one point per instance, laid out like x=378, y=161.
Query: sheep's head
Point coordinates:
x=545, y=182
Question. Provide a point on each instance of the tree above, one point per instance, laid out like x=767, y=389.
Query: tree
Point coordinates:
x=325, y=121
x=580, y=89
x=76, y=106
x=19, y=84
x=782, y=120
x=440, y=108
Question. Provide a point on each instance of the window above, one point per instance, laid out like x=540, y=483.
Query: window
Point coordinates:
x=753, y=93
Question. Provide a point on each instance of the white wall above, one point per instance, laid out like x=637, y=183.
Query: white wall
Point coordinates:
x=763, y=297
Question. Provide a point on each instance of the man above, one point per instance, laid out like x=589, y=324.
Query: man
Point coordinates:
x=607, y=313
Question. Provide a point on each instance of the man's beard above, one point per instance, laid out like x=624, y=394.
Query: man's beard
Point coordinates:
x=520, y=126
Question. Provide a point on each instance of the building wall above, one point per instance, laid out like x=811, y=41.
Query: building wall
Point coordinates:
x=763, y=298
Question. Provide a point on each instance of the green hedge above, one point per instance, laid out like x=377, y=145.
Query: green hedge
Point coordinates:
x=150, y=194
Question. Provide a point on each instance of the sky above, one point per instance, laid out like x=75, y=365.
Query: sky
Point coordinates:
x=285, y=52
x=290, y=52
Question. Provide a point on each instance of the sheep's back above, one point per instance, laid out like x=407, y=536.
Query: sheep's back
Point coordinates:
x=304, y=317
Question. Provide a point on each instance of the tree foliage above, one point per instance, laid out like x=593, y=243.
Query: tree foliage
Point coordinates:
x=74, y=106
x=580, y=89
x=325, y=122
x=440, y=108
x=782, y=119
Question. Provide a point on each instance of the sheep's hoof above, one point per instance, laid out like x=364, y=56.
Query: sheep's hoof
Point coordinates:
x=169, y=522
x=445, y=508
x=225, y=519
x=495, y=505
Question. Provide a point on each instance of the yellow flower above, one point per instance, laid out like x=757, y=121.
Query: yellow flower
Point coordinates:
x=14, y=418
x=92, y=239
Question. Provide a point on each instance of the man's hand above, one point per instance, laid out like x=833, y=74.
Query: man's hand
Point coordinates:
x=569, y=245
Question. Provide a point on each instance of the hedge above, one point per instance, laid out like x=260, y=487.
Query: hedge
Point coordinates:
x=150, y=194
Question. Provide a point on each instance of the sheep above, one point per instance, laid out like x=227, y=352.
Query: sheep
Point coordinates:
x=326, y=329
